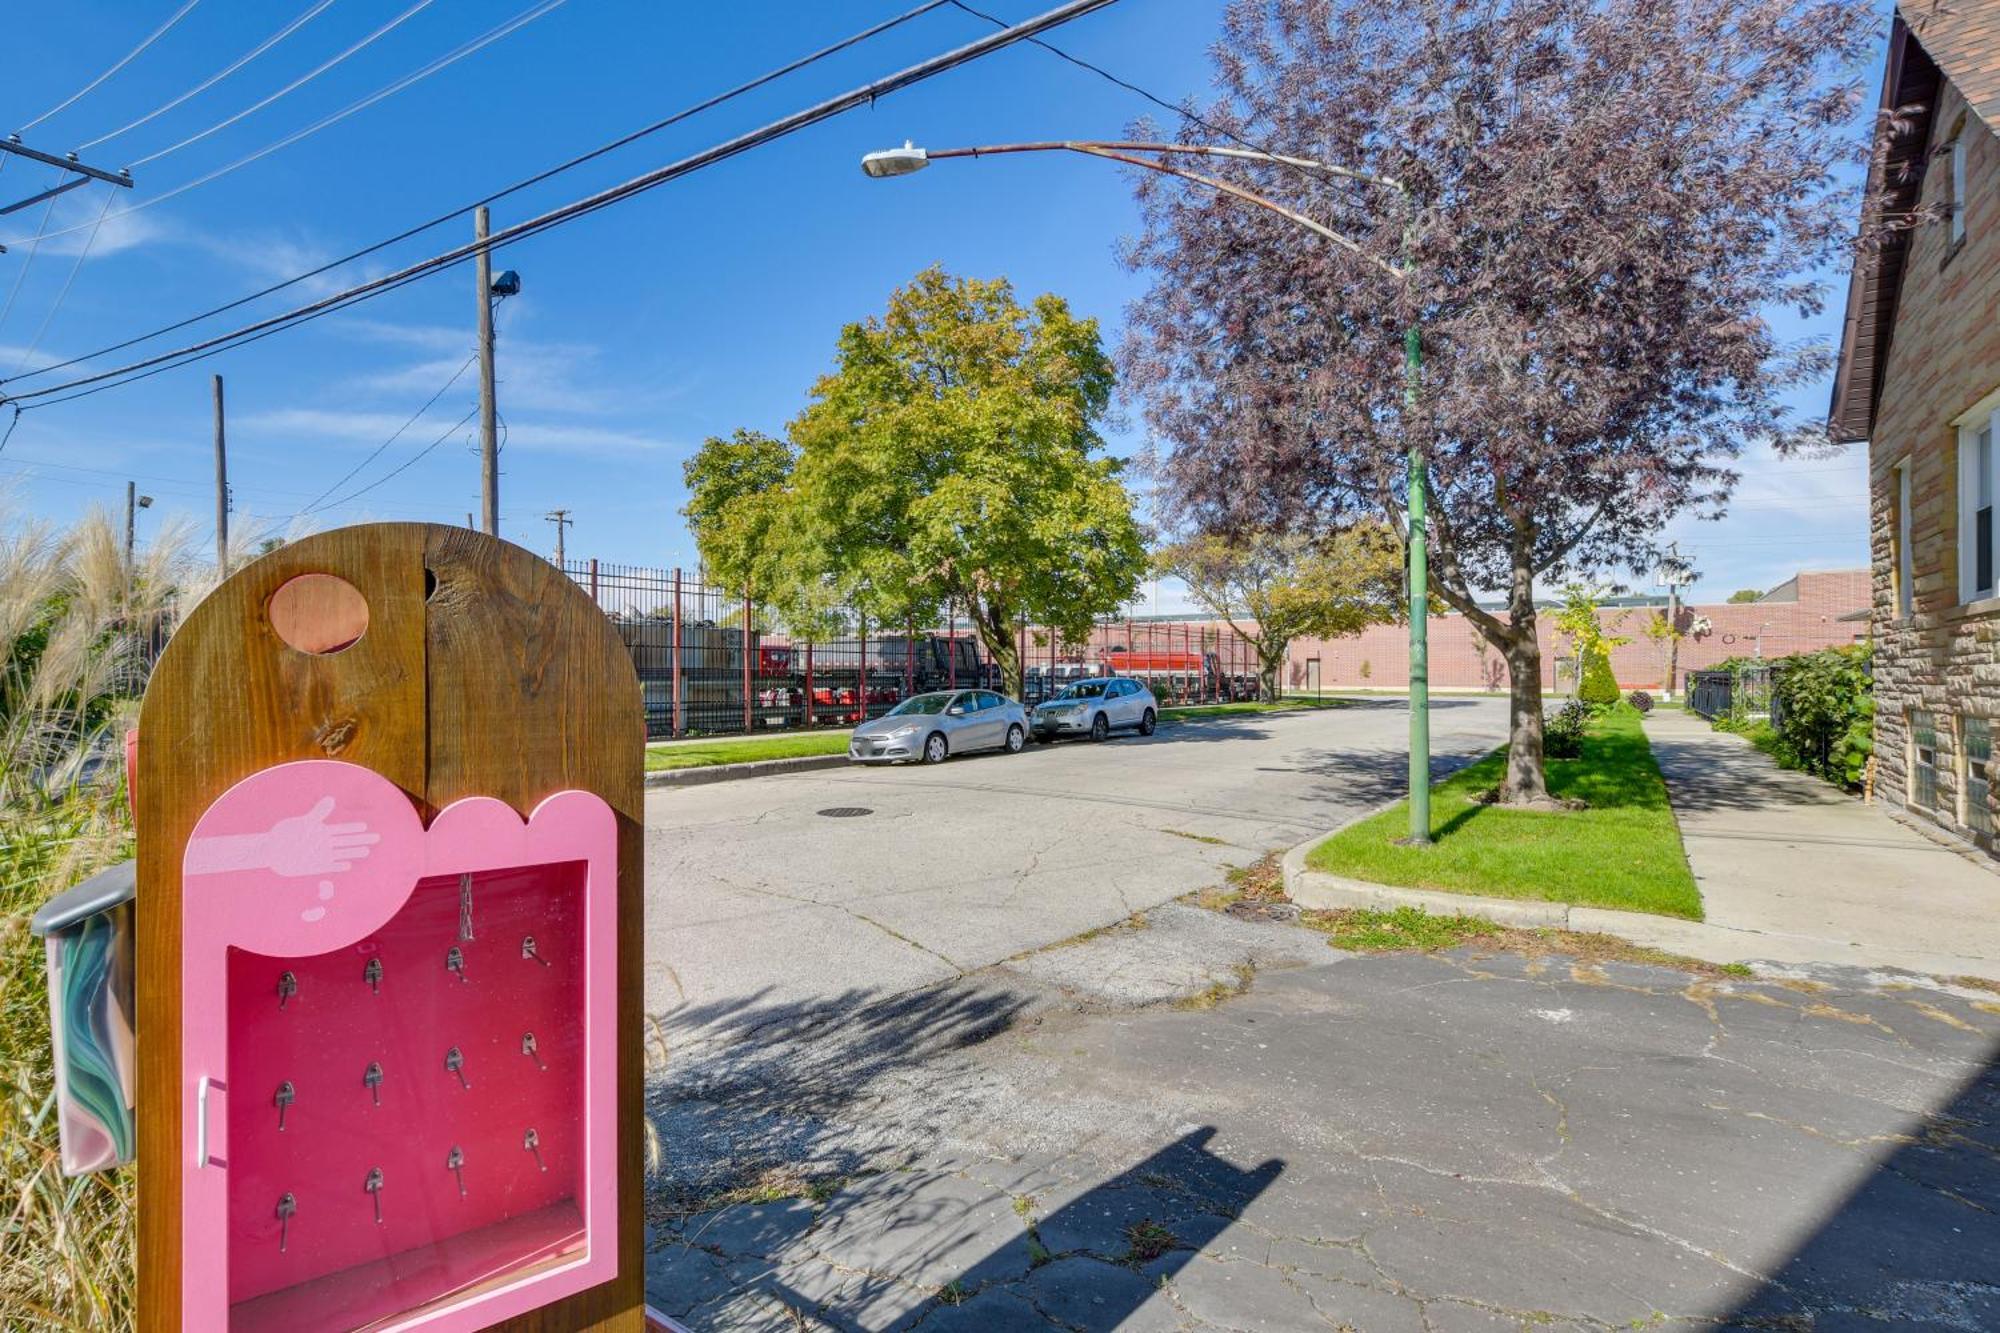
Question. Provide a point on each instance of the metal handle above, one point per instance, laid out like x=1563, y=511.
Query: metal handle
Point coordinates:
x=201, y=1122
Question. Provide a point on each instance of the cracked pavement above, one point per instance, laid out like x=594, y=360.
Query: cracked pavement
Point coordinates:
x=1087, y=1138
x=902, y=1093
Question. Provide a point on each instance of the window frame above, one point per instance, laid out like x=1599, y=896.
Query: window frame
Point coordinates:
x=1975, y=808
x=1982, y=420
x=1922, y=787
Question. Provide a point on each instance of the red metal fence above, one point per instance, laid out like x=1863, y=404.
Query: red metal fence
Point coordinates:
x=701, y=673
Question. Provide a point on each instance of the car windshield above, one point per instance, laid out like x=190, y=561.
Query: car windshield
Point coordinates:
x=1085, y=689
x=921, y=703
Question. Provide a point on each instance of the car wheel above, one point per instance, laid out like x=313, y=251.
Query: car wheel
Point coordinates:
x=935, y=748
x=1016, y=738
x=1100, y=728
x=1148, y=723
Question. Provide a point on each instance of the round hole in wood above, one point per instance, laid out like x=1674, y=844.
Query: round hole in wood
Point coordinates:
x=430, y=583
x=318, y=613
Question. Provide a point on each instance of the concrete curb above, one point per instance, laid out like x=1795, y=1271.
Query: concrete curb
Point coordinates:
x=756, y=768
x=1317, y=890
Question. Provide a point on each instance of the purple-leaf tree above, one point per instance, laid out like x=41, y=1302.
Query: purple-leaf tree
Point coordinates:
x=1593, y=205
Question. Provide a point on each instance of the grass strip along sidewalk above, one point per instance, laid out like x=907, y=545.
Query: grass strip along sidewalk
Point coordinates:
x=744, y=750
x=1196, y=712
x=1622, y=851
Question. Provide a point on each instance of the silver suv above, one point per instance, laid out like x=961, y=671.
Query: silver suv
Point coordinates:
x=1096, y=708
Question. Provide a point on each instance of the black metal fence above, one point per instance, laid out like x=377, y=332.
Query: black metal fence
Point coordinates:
x=711, y=663
x=1736, y=692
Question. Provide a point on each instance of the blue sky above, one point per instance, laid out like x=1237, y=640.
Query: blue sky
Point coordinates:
x=708, y=304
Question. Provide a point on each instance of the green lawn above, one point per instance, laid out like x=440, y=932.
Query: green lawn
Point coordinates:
x=1189, y=712
x=743, y=750
x=1623, y=851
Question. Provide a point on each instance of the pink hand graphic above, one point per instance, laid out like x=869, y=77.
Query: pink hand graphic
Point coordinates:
x=295, y=846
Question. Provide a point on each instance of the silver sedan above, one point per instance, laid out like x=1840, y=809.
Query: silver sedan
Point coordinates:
x=928, y=728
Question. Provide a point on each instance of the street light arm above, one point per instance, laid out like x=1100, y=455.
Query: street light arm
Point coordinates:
x=1118, y=151
x=1204, y=150
x=1238, y=192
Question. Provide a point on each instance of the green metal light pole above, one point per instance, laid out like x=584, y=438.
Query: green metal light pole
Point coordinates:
x=910, y=158
x=1420, y=606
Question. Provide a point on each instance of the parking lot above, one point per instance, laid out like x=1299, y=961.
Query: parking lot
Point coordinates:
x=754, y=890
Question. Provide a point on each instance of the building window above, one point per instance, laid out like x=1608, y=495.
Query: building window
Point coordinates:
x=1975, y=757
x=1977, y=485
x=1923, y=760
x=1901, y=563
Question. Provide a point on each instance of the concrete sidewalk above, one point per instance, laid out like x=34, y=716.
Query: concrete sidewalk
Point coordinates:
x=1806, y=873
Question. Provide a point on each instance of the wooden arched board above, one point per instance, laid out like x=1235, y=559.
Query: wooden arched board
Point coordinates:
x=481, y=670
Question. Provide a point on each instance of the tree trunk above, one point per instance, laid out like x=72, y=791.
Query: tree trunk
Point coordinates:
x=996, y=636
x=1526, y=782
x=1267, y=677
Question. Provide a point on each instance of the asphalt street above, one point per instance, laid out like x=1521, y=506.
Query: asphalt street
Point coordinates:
x=913, y=1081
x=753, y=892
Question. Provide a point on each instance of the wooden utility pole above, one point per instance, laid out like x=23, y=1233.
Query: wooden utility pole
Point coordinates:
x=489, y=430
x=221, y=488
x=562, y=520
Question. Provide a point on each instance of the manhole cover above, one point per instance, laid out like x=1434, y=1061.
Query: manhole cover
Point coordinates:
x=847, y=812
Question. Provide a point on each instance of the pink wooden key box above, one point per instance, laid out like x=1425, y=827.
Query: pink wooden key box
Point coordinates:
x=404, y=1094
x=388, y=1054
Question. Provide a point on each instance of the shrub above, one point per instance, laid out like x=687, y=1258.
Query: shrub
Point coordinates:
x=1599, y=686
x=1640, y=700
x=1823, y=709
x=1562, y=735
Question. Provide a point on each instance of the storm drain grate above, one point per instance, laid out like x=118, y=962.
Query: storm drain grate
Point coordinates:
x=846, y=811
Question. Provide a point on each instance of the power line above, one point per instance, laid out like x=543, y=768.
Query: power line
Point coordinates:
x=218, y=76
x=536, y=179
x=1161, y=102
x=406, y=465
x=21, y=274
x=866, y=94
x=294, y=85
x=68, y=282
x=415, y=417
x=408, y=80
x=123, y=61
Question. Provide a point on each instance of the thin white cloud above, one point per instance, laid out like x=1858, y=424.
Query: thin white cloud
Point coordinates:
x=371, y=428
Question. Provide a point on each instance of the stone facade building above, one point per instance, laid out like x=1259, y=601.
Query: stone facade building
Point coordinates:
x=1919, y=381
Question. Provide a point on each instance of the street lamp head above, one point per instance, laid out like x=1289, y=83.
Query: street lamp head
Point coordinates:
x=507, y=284
x=902, y=161
x=145, y=502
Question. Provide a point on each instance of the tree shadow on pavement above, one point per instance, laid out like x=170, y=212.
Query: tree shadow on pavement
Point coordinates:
x=754, y=1092
x=1091, y=1263
x=1916, y=1245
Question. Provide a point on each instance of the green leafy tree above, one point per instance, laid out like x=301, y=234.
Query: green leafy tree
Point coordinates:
x=1742, y=595
x=953, y=456
x=1271, y=589
x=1579, y=619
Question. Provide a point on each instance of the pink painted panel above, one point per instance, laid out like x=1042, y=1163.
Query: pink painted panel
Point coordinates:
x=327, y=935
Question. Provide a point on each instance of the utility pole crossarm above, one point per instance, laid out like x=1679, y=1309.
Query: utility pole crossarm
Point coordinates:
x=82, y=175
x=12, y=144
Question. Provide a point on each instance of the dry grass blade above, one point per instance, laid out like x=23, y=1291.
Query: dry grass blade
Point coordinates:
x=77, y=630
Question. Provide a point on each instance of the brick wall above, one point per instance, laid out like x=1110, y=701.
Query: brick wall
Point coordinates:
x=1808, y=619
x=1944, y=357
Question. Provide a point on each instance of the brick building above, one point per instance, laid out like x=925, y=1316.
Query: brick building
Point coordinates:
x=1919, y=380
x=1809, y=611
